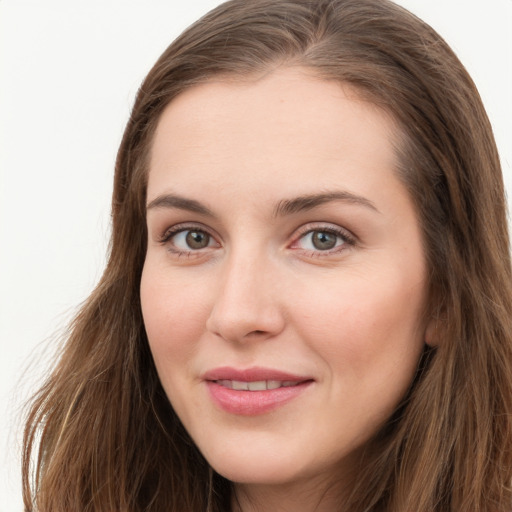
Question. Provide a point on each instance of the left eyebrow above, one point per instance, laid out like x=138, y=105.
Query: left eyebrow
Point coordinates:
x=308, y=202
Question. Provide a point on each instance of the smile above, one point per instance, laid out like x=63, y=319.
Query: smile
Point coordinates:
x=258, y=385
x=253, y=391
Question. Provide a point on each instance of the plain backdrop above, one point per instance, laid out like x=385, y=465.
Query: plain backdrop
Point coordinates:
x=69, y=71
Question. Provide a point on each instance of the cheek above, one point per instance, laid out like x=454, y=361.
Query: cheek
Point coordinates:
x=173, y=318
x=366, y=326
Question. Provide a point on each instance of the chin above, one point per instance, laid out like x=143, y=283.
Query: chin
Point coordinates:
x=251, y=474
x=270, y=466
x=259, y=467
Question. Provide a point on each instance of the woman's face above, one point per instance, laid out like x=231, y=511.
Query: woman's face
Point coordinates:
x=284, y=282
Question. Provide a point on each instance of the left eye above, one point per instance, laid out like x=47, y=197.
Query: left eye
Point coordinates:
x=321, y=240
x=192, y=239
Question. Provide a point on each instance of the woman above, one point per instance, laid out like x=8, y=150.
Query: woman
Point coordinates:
x=307, y=301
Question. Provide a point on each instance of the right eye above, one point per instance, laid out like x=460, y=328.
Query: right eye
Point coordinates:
x=191, y=240
x=184, y=240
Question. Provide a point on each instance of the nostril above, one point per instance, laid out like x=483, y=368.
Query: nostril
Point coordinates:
x=241, y=319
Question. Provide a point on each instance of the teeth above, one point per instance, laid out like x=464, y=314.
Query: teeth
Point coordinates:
x=259, y=385
x=240, y=386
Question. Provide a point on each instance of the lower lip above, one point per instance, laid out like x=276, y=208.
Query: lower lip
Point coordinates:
x=252, y=403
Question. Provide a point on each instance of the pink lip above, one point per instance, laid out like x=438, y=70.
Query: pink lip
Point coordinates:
x=251, y=374
x=252, y=403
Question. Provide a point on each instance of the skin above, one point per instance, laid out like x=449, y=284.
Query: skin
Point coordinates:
x=261, y=293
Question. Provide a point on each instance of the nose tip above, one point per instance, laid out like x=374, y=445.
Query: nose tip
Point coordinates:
x=246, y=307
x=239, y=322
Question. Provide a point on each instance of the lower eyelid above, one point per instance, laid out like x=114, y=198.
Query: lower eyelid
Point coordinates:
x=183, y=251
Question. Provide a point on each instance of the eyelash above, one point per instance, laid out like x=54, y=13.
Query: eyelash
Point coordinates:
x=181, y=228
x=347, y=238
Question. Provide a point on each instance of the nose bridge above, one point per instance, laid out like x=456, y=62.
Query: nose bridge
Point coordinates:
x=247, y=301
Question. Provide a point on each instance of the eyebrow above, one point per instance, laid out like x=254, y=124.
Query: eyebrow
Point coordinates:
x=308, y=202
x=179, y=202
x=283, y=208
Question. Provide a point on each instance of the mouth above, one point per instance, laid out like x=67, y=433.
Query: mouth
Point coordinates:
x=257, y=385
x=253, y=391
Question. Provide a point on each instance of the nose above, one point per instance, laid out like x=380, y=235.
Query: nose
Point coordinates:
x=246, y=304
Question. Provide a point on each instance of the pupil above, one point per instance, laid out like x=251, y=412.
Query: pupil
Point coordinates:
x=323, y=241
x=197, y=239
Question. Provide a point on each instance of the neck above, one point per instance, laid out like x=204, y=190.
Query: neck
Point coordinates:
x=310, y=496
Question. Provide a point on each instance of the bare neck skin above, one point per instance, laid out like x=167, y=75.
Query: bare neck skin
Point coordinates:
x=313, y=496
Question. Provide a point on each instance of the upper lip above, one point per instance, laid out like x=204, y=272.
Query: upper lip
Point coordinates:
x=253, y=374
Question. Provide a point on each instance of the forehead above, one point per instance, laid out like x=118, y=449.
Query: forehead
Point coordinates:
x=287, y=131
x=274, y=97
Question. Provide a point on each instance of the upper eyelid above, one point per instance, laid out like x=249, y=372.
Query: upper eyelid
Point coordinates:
x=170, y=231
x=349, y=241
x=324, y=226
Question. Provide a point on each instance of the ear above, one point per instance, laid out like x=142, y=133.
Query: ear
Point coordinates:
x=433, y=332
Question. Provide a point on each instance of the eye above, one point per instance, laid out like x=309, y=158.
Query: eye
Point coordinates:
x=191, y=239
x=185, y=240
x=324, y=239
x=321, y=240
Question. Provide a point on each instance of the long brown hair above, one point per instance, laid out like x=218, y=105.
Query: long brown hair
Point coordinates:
x=101, y=434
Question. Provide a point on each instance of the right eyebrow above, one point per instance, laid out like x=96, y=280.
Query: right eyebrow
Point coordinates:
x=179, y=202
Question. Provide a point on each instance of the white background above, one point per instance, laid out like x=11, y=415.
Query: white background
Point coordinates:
x=69, y=71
